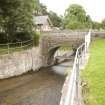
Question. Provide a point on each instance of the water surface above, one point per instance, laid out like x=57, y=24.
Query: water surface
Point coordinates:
x=34, y=88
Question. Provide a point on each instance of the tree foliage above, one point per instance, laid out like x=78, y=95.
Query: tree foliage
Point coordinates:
x=76, y=18
x=75, y=13
x=43, y=9
x=103, y=24
x=40, y=9
x=56, y=20
x=37, y=9
x=96, y=25
x=16, y=16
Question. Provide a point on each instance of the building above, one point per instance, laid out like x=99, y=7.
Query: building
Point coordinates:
x=43, y=23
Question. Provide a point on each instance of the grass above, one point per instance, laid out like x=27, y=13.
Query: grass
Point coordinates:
x=65, y=48
x=94, y=75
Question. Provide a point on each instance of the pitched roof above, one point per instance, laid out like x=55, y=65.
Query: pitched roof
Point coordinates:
x=42, y=20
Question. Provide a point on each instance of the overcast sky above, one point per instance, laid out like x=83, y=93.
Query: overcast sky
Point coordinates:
x=95, y=8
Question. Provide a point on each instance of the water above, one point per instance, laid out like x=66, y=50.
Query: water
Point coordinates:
x=34, y=88
x=62, y=68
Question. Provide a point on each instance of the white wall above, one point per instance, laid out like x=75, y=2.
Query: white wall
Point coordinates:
x=46, y=28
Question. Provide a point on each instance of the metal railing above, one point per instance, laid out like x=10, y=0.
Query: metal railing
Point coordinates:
x=11, y=47
x=73, y=91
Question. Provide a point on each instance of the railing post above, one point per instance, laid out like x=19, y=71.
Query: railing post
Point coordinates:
x=81, y=55
x=33, y=43
x=8, y=48
x=21, y=45
x=77, y=79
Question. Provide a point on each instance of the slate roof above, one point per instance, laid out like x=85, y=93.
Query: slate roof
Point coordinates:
x=43, y=20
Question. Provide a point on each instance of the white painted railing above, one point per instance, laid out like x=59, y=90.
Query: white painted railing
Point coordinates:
x=71, y=92
x=87, y=40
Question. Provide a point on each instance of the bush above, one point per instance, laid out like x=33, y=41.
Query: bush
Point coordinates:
x=75, y=25
x=3, y=38
x=36, y=38
x=22, y=36
x=17, y=37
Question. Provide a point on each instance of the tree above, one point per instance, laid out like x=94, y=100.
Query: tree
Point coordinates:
x=40, y=9
x=37, y=9
x=43, y=9
x=75, y=17
x=96, y=25
x=88, y=22
x=16, y=16
x=103, y=24
x=76, y=13
x=56, y=20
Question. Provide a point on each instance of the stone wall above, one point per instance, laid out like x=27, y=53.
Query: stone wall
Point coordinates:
x=98, y=34
x=95, y=33
x=50, y=42
x=20, y=62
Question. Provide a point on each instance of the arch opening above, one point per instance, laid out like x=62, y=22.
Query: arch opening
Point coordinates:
x=59, y=54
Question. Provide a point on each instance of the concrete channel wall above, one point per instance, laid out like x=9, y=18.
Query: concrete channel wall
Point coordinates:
x=17, y=63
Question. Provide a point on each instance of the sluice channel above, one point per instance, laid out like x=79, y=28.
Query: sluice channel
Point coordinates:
x=34, y=88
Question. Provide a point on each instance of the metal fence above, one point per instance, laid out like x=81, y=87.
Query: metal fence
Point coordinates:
x=18, y=46
x=73, y=91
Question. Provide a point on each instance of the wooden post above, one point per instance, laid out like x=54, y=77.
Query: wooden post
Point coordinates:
x=21, y=45
x=8, y=48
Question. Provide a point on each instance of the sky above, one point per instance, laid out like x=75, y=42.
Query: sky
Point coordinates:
x=94, y=8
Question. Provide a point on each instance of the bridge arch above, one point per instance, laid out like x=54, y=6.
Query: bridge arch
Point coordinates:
x=51, y=53
x=50, y=43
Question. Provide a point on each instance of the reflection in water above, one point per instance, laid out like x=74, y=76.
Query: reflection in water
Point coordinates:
x=34, y=88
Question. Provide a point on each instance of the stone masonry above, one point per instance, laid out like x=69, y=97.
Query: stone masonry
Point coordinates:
x=50, y=43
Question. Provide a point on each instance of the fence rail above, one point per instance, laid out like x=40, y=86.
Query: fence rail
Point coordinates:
x=73, y=93
x=11, y=47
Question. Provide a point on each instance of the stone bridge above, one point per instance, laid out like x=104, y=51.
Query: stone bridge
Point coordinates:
x=51, y=42
x=14, y=64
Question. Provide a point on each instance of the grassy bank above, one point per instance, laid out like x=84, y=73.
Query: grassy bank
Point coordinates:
x=94, y=75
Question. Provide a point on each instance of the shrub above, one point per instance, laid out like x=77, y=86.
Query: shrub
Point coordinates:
x=17, y=37
x=74, y=25
x=22, y=36
x=3, y=38
x=36, y=38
